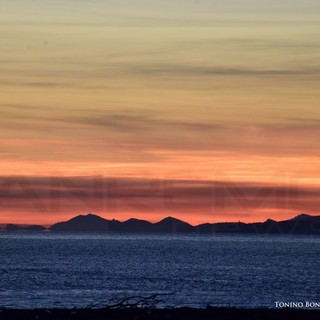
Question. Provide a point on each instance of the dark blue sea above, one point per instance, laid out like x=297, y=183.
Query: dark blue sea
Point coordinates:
x=76, y=270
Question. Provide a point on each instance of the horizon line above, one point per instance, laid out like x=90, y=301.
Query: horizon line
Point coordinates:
x=166, y=217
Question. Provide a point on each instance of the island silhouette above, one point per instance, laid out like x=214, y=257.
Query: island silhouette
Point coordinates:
x=301, y=224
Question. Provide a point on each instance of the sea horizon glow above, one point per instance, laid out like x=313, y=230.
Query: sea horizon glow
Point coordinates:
x=207, y=111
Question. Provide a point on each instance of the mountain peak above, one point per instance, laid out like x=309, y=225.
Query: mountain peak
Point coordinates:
x=171, y=224
x=171, y=219
x=88, y=222
x=88, y=216
x=133, y=220
x=302, y=216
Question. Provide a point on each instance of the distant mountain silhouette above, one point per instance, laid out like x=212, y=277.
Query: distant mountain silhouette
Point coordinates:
x=135, y=225
x=15, y=227
x=90, y=222
x=86, y=223
x=302, y=224
x=170, y=224
x=304, y=216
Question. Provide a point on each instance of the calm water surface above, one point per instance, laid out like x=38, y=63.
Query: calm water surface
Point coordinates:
x=75, y=270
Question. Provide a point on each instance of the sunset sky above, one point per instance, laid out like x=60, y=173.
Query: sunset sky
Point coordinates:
x=204, y=110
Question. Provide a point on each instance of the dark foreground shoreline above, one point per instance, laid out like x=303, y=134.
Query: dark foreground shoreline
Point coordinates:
x=160, y=314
